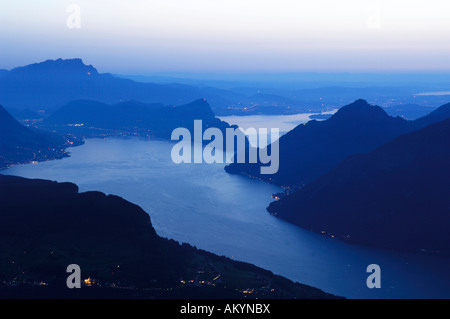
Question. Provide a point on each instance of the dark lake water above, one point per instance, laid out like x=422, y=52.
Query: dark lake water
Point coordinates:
x=203, y=205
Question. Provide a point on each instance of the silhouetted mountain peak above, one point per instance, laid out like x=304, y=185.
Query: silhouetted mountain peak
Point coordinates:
x=310, y=150
x=361, y=103
x=394, y=197
x=199, y=107
x=360, y=110
x=67, y=67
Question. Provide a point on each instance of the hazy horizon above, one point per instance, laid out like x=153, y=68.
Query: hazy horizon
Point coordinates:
x=245, y=36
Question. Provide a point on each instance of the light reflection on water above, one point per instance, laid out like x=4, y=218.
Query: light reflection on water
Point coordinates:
x=203, y=205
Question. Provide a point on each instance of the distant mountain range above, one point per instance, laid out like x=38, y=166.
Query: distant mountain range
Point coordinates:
x=395, y=197
x=20, y=144
x=85, y=119
x=46, y=226
x=50, y=84
x=311, y=150
x=91, y=118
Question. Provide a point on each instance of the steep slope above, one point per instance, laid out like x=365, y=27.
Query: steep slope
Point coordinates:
x=47, y=85
x=52, y=83
x=311, y=150
x=46, y=226
x=19, y=144
x=396, y=197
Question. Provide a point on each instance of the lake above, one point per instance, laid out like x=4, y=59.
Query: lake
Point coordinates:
x=226, y=214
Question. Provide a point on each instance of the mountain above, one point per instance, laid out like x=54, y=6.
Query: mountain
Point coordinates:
x=46, y=226
x=20, y=144
x=47, y=85
x=52, y=83
x=136, y=118
x=312, y=149
x=396, y=197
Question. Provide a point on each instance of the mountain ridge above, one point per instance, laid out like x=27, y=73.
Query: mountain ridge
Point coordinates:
x=21, y=144
x=136, y=118
x=395, y=197
x=47, y=85
x=46, y=226
x=312, y=149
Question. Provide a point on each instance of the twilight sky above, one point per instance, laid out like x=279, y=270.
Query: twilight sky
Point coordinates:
x=147, y=36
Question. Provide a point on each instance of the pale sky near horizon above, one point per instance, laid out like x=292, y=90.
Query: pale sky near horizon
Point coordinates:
x=145, y=36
